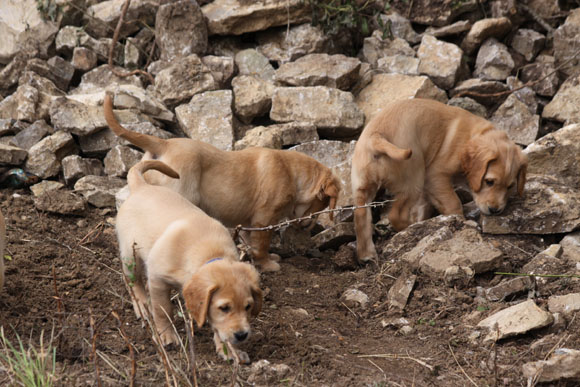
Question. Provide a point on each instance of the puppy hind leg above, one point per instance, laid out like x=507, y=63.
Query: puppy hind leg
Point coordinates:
x=365, y=247
x=133, y=271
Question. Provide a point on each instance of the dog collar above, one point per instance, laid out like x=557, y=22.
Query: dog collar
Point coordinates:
x=213, y=260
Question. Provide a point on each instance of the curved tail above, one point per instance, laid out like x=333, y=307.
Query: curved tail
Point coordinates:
x=135, y=176
x=152, y=144
x=382, y=145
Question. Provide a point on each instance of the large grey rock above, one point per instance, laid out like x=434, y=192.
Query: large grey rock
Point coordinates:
x=336, y=71
x=550, y=206
x=440, y=60
x=278, y=136
x=479, y=90
x=180, y=29
x=23, y=28
x=494, y=62
x=182, y=80
x=251, y=62
x=252, y=97
x=386, y=88
x=285, y=45
x=44, y=157
x=544, y=68
x=562, y=365
x=120, y=159
x=375, y=47
x=484, y=29
x=56, y=69
x=74, y=167
x=515, y=118
x=566, y=43
x=236, y=17
x=564, y=105
x=516, y=320
x=31, y=100
x=10, y=74
x=11, y=155
x=209, y=117
x=557, y=154
x=526, y=95
x=26, y=138
x=528, y=43
x=566, y=304
x=222, y=69
x=99, y=190
x=135, y=97
x=332, y=111
x=102, y=18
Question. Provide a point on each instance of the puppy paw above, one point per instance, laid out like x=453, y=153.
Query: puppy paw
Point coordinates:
x=275, y=257
x=169, y=337
x=243, y=356
x=269, y=265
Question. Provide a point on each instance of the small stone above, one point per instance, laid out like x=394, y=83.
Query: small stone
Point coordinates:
x=566, y=304
x=514, y=117
x=484, y=29
x=252, y=97
x=335, y=236
x=562, y=365
x=469, y=104
x=251, y=62
x=440, y=60
x=563, y=107
x=508, y=288
x=528, y=43
x=31, y=135
x=494, y=62
x=120, y=159
x=99, y=190
x=74, y=167
x=457, y=275
x=11, y=155
x=45, y=186
x=400, y=291
x=354, y=298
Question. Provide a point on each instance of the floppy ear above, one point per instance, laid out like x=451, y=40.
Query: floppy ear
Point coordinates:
x=474, y=162
x=253, y=278
x=258, y=297
x=522, y=175
x=330, y=188
x=197, y=295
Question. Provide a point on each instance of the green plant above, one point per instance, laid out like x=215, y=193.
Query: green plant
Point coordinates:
x=48, y=9
x=28, y=367
x=131, y=265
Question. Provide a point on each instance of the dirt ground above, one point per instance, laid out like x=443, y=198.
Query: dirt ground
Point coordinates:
x=63, y=283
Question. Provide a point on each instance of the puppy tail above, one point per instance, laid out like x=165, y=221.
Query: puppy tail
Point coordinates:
x=152, y=144
x=382, y=145
x=135, y=176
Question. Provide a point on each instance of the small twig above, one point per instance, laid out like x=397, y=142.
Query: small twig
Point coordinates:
x=549, y=29
x=460, y=367
x=540, y=275
x=98, y=228
x=236, y=367
x=190, y=335
x=131, y=350
x=397, y=356
x=350, y=310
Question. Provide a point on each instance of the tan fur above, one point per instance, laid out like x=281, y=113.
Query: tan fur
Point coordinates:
x=414, y=148
x=171, y=241
x=253, y=187
x=2, y=247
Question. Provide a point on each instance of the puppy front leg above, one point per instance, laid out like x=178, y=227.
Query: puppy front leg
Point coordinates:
x=365, y=247
x=443, y=196
x=223, y=350
x=260, y=241
x=162, y=311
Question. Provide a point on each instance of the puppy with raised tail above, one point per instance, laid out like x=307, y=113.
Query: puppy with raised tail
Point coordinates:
x=415, y=148
x=253, y=187
x=174, y=244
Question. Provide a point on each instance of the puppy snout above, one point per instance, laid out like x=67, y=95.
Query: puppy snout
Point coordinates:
x=494, y=210
x=241, y=335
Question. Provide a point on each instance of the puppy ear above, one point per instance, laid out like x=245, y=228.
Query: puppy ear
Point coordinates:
x=522, y=174
x=258, y=298
x=253, y=278
x=474, y=162
x=197, y=294
x=331, y=189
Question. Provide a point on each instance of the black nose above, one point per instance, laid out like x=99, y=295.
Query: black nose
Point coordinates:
x=494, y=211
x=241, y=336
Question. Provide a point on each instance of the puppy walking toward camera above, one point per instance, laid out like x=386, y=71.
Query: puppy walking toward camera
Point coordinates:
x=176, y=245
x=415, y=148
x=253, y=187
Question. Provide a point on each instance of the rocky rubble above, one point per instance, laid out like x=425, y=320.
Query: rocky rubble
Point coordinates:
x=236, y=79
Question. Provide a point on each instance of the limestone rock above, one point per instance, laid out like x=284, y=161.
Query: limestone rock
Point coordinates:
x=458, y=276
x=45, y=156
x=550, y=206
x=120, y=159
x=440, y=14
x=60, y=202
x=99, y=190
x=69, y=38
x=526, y=95
x=182, y=80
x=135, y=97
x=400, y=291
x=102, y=18
x=355, y=298
x=484, y=29
x=209, y=117
x=180, y=29
x=56, y=69
x=478, y=86
x=400, y=64
x=335, y=236
x=251, y=62
x=278, y=136
x=561, y=366
x=469, y=104
x=564, y=105
x=284, y=45
x=452, y=29
x=222, y=69
x=236, y=17
x=11, y=155
x=332, y=111
x=566, y=41
x=336, y=71
x=508, y=288
x=26, y=138
x=494, y=62
x=23, y=28
x=528, y=43
x=515, y=118
x=98, y=79
x=375, y=47
x=439, y=60
x=516, y=320
x=557, y=154
x=571, y=246
x=386, y=88
x=74, y=167
x=84, y=59
x=401, y=27
x=566, y=304
x=540, y=70
x=264, y=373
x=45, y=186
x=252, y=97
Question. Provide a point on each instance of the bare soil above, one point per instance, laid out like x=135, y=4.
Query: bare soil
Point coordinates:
x=63, y=282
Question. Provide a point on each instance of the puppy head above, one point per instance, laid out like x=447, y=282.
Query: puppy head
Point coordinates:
x=495, y=167
x=227, y=294
x=325, y=194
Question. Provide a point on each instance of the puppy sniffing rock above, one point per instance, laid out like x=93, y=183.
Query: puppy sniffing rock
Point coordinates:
x=254, y=187
x=415, y=148
x=173, y=244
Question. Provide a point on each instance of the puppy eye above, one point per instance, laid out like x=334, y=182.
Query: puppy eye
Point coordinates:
x=225, y=308
x=511, y=185
x=248, y=307
x=489, y=182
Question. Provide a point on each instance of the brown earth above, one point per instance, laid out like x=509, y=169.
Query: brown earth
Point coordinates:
x=63, y=273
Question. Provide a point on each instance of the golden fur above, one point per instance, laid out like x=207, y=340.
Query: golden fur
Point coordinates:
x=166, y=237
x=253, y=187
x=414, y=148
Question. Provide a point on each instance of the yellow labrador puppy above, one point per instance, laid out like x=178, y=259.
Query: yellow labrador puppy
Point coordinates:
x=415, y=148
x=176, y=245
x=253, y=187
